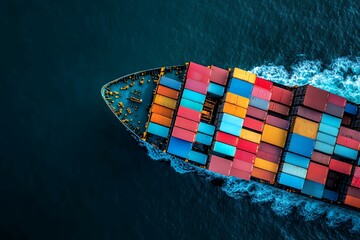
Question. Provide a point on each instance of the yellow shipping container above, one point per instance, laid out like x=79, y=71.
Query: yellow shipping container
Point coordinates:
x=250, y=136
x=266, y=165
x=244, y=75
x=165, y=101
x=274, y=135
x=234, y=110
x=237, y=100
x=305, y=127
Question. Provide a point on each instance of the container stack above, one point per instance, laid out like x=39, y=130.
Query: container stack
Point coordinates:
x=353, y=193
x=218, y=80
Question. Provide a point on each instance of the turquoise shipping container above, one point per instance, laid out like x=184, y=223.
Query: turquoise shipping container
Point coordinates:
x=198, y=157
x=240, y=87
x=331, y=120
x=324, y=147
x=333, y=131
x=224, y=117
x=194, y=96
x=296, y=160
x=294, y=170
x=291, y=181
x=203, y=138
x=230, y=128
x=224, y=148
x=206, y=128
x=313, y=188
x=345, y=152
x=158, y=130
x=216, y=89
x=179, y=147
x=191, y=104
x=326, y=138
x=171, y=83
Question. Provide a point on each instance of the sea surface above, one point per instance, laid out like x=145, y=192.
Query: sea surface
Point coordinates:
x=68, y=170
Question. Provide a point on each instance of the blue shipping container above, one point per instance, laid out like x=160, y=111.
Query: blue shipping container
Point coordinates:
x=203, y=139
x=216, y=89
x=206, y=128
x=198, y=157
x=194, y=96
x=300, y=145
x=230, y=128
x=224, y=117
x=171, y=83
x=349, y=108
x=259, y=103
x=324, y=147
x=294, y=170
x=331, y=120
x=224, y=148
x=296, y=160
x=240, y=87
x=333, y=131
x=313, y=188
x=330, y=195
x=191, y=104
x=179, y=147
x=345, y=152
x=158, y=130
x=291, y=181
x=326, y=138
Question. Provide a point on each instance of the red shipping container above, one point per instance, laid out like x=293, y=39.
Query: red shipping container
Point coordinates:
x=262, y=174
x=279, y=108
x=263, y=83
x=196, y=86
x=346, y=120
x=186, y=124
x=189, y=114
x=247, y=146
x=199, y=68
x=183, y=134
x=357, y=172
x=337, y=100
x=242, y=165
x=240, y=174
x=334, y=110
x=244, y=156
x=320, y=158
x=268, y=156
x=219, y=75
x=226, y=138
x=316, y=98
x=355, y=182
x=355, y=192
x=349, y=133
x=253, y=124
x=309, y=114
x=281, y=95
x=352, y=201
x=220, y=165
x=348, y=142
x=268, y=148
x=341, y=167
x=192, y=74
x=256, y=113
x=277, y=122
x=317, y=173
x=262, y=93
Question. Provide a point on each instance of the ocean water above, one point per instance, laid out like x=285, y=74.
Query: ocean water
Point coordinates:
x=68, y=170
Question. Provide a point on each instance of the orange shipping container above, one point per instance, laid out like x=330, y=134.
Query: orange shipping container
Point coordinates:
x=234, y=110
x=266, y=165
x=167, y=112
x=305, y=127
x=352, y=201
x=168, y=92
x=273, y=135
x=250, y=136
x=159, y=119
x=165, y=101
x=237, y=100
x=262, y=174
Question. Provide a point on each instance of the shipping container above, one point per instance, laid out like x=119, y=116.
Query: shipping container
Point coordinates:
x=346, y=120
x=183, y=134
x=351, y=109
x=191, y=104
x=355, y=192
x=349, y=133
x=226, y=138
x=225, y=117
x=250, y=136
x=167, y=92
x=305, y=127
x=242, y=165
x=240, y=87
x=282, y=96
x=194, y=96
x=237, y=100
x=300, y=145
x=171, y=83
x=355, y=182
x=263, y=174
x=159, y=119
x=219, y=75
x=247, y=146
x=317, y=173
x=357, y=172
x=189, y=114
x=259, y=103
x=290, y=181
x=233, y=110
x=204, y=70
x=321, y=158
x=179, y=147
x=346, y=152
x=326, y=138
x=316, y=98
x=167, y=112
x=244, y=75
x=220, y=165
x=216, y=89
x=277, y=122
x=279, y=108
x=206, y=128
x=244, y=156
x=196, y=86
x=263, y=83
x=339, y=166
x=331, y=120
x=334, y=110
x=352, y=201
x=256, y=113
x=198, y=157
x=191, y=74
x=203, y=138
x=240, y=174
x=266, y=165
x=348, y=142
x=261, y=93
x=270, y=148
x=224, y=148
x=230, y=128
x=328, y=129
x=330, y=195
x=186, y=124
x=296, y=160
x=293, y=170
x=165, y=101
x=324, y=147
x=312, y=188
x=158, y=130
x=268, y=156
x=337, y=100
x=253, y=124
x=274, y=135
x=309, y=114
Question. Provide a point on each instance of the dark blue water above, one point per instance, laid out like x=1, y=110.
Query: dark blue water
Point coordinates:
x=68, y=170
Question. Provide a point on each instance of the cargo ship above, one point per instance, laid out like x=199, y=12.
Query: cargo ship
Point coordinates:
x=302, y=139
